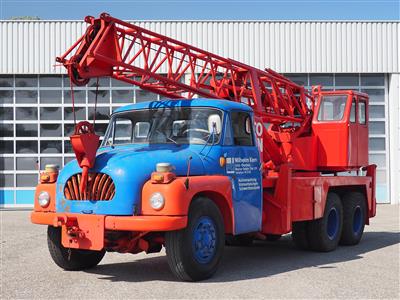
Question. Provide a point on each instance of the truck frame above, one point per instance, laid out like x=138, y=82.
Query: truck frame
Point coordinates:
x=229, y=155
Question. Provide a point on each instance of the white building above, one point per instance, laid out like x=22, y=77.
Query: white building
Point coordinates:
x=35, y=105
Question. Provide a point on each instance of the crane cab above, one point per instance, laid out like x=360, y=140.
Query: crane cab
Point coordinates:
x=340, y=126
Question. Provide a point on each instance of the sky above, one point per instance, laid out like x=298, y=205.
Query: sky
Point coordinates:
x=205, y=9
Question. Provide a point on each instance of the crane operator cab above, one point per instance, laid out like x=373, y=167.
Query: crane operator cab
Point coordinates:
x=340, y=125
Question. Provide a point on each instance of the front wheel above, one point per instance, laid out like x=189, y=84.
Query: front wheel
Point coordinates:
x=73, y=260
x=193, y=253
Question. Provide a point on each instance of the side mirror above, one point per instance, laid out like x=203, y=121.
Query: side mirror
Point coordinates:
x=142, y=129
x=214, y=124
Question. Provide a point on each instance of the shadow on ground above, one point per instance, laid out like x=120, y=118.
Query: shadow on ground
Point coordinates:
x=263, y=259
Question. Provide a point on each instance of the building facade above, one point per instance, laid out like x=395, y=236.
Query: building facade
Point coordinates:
x=35, y=97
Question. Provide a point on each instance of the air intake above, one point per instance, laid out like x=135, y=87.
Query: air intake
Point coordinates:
x=100, y=187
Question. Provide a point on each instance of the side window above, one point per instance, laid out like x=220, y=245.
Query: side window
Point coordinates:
x=122, y=131
x=362, y=113
x=242, y=129
x=353, y=111
x=228, y=138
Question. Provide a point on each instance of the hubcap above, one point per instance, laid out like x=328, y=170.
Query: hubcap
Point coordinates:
x=357, y=220
x=333, y=223
x=204, y=240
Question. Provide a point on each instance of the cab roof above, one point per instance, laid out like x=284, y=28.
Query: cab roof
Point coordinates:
x=225, y=105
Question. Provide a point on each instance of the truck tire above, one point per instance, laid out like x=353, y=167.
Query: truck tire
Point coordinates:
x=241, y=240
x=300, y=236
x=324, y=234
x=354, y=215
x=193, y=253
x=77, y=260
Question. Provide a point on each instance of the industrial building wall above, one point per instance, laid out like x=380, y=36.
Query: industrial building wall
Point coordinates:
x=35, y=108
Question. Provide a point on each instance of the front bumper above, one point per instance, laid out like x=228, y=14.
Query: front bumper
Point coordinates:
x=124, y=223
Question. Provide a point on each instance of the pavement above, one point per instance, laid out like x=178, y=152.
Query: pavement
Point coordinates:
x=265, y=270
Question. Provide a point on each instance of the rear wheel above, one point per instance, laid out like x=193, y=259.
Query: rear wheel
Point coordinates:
x=193, y=253
x=354, y=215
x=324, y=234
x=73, y=260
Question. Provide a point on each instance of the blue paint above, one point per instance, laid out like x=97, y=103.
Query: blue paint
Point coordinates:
x=7, y=197
x=25, y=196
x=333, y=223
x=204, y=240
x=358, y=220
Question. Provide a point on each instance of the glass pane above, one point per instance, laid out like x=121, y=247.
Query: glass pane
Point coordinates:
x=53, y=130
x=377, y=127
x=25, y=130
x=298, y=78
x=67, y=147
x=50, y=97
x=79, y=111
x=372, y=79
x=321, y=79
x=6, y=113
x=27, y=147
x=102, y=113
x=375, y=95
x=361, y=113
x=6, y=97
x=6, y=147
x=6, y=130
x=122, y=96
x=376, y=144
x=142, y=96
x=69, y=129
x=26, y=113
x=346, y=79
x=6, y=163
x=67, y=84
x=6, y=180
x=6, y=81
x=27, y=180
x=50, y=81
x=353, y=112
x=376, y=111
x=26, y=81
x=50, y=161
x=27, y=163
x=50, y=113
x=101, y=129
x=103, y=96
x=378, y=159
x=117, y=83
x=79, y=96
x=26, y=96
x=381, y=176
x=50, y=147
x=67, y=159
x=103, y=82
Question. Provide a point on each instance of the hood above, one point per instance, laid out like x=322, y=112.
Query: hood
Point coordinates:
x=129, y=166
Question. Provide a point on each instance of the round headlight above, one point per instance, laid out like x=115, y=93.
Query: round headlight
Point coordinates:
x=44, y=199
x=157, y=201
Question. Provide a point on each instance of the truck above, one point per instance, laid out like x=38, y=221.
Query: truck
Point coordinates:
x=230, y=154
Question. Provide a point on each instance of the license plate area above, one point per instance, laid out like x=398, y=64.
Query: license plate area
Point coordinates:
x=83, y=232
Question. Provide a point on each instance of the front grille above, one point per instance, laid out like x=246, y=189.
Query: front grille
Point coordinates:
x=100, y=187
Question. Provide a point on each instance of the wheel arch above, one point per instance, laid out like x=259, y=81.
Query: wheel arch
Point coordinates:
x=224, y=205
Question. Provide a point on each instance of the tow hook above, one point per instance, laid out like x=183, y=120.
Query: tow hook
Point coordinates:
x=74, y=232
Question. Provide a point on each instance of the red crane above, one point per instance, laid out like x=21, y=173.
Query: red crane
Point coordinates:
x=126, y=52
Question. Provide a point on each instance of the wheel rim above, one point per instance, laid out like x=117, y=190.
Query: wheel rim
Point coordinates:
x=204, y=240
x=357, y=220
x=333, y=223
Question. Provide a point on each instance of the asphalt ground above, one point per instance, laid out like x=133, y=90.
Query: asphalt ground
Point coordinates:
x=265, y=270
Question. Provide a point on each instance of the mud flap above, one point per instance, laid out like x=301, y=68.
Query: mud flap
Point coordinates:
x=82, y=232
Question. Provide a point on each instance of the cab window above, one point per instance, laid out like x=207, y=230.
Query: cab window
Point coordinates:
x=242, y=129
x=353, y=111
x=332, y=108
x=362, y=113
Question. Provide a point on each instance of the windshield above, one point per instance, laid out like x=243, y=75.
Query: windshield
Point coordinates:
x=332, y=108
x=181, y=125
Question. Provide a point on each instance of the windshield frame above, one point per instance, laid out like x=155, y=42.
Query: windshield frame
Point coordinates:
x=210, y=142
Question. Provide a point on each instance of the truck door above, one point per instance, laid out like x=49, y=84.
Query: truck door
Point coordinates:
x=353, y=135
x=362, y=117
x=243, y=169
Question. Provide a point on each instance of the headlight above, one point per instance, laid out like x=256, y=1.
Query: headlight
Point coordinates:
x=157, y=201
x=44, y=199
